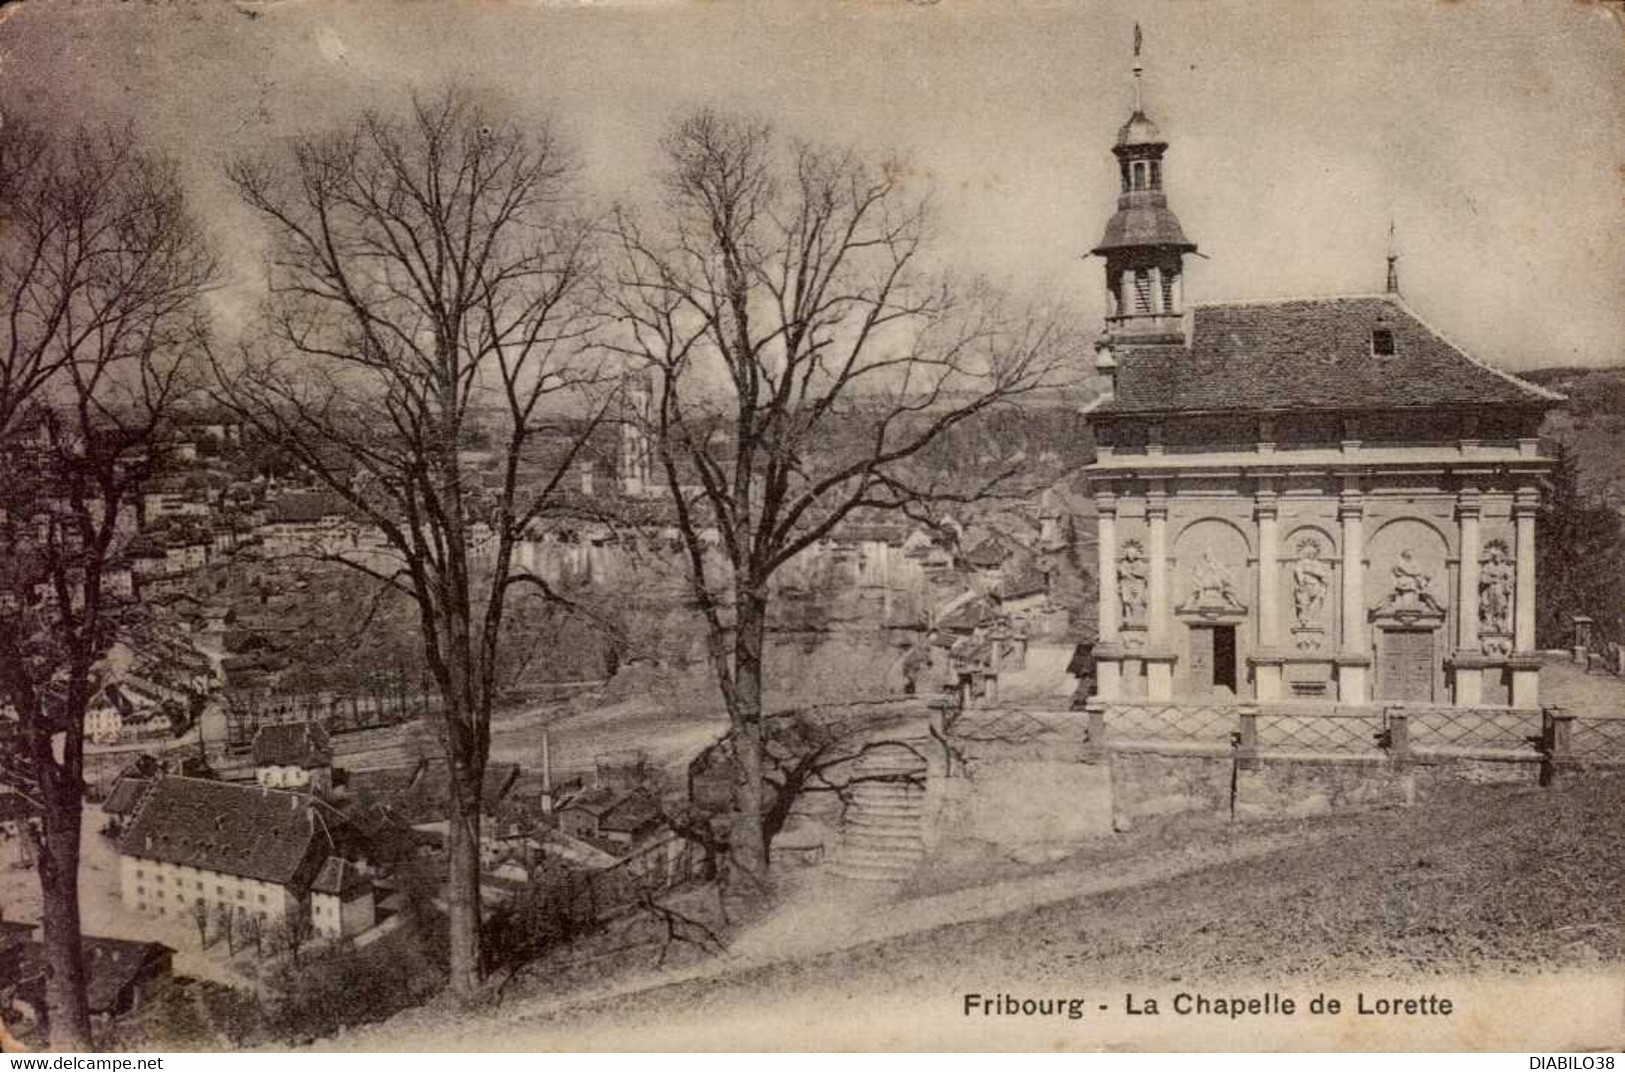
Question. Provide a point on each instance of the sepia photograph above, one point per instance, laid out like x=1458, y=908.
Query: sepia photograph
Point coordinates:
x=838, y=525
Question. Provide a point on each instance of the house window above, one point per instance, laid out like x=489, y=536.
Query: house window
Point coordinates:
x=1139, y=174
x=241, y=895
x=1156, y=174
x=1382, y=342
x=140, y=891
x=262, y=898
x=219, y=891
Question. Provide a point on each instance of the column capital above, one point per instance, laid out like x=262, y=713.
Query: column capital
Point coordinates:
x=1106, y=501
x=1350, y=504
x=1156, y=497
x=1526, y=503
x=1266, y=497
x=1469, y=503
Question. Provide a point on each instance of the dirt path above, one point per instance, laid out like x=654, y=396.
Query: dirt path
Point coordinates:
x=825, y=915
x=1565, y=684
x=1497, y=898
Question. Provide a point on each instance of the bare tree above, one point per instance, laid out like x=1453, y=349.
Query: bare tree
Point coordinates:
x=423, y=355
x=800, y=357
x=295, y=930
x=101, y=271
x=224, y=926
x=200, y=916
x=253, y=931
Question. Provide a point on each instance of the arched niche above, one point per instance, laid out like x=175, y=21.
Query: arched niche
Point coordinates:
x=1211, y=589
x=1308, y=588
x=1407, y=594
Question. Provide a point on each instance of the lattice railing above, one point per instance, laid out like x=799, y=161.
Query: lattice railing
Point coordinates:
x=1204, y=723
x=1341, y=732
x=1502, y=729
x=1016, y=726
x=1597, y=738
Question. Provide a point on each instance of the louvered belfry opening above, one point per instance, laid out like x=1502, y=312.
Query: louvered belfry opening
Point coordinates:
x=1143, y=245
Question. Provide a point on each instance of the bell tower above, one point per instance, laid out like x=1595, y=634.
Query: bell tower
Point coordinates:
x=1144, y=247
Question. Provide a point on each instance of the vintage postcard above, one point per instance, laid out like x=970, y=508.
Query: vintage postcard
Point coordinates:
x=890, y=525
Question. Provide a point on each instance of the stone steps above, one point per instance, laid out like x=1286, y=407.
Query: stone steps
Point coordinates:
x=883, y=839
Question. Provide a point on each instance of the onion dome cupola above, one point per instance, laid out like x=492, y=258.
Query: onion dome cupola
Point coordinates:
x=1144, y=246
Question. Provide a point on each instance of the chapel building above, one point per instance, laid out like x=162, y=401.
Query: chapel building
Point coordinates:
x=1317, y=500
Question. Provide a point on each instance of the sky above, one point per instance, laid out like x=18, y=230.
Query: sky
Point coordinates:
x=1490, y=133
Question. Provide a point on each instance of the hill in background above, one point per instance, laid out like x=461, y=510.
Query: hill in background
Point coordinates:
x=1591, y=423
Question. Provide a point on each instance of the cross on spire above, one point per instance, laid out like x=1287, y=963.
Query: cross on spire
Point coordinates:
x=1393, y=260
x=1139, y=68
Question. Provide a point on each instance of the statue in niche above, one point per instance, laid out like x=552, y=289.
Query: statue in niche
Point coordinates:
x=1211, y=584
x=1131, y=582
x=1412, y=587
x=1311, y=580
x=1495, y=579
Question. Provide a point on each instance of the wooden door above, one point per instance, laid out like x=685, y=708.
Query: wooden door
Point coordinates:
x=1406, y=673
x=1201, y=660
x=1224, y=657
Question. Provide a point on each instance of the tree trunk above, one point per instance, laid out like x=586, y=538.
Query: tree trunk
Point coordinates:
x=65, y=994
x=463, y=886
x=748, y=848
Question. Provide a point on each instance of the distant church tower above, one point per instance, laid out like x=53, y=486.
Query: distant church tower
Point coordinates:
x=1144, y=246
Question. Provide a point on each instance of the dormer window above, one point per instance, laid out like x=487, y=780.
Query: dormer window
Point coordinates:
x=1139, y=174
x=1382, y=343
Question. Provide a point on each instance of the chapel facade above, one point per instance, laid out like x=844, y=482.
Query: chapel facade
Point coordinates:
x=1318, y=500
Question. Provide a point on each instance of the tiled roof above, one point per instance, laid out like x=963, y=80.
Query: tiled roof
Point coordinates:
x=292, y=744
x=306, y=506
x=598, y=801
x=242, y=830
x=338, y=877
x=1310, y=354
x=635, y=812
x=965, y=612
x=991, y=552
x=126, y=795
x=1027, y=580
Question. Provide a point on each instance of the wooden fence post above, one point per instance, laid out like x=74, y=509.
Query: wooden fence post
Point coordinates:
x=1247, y=737
x=1397, y=723
x=1095, y=709
x=1557, y=729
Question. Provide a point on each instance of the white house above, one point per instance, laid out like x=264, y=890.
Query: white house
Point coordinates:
x=293, y=755
x=258, y=851
x=341, y=901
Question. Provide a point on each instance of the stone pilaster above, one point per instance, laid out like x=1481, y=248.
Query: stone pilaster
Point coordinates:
x=1352, y=658
x=1525, y=664
x=1108, y=666
x=1267, y=660
x=1159, y=669
x=1468, y=669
